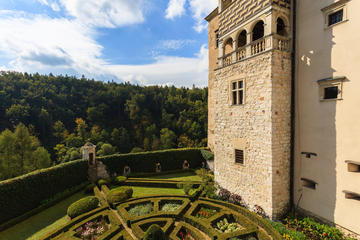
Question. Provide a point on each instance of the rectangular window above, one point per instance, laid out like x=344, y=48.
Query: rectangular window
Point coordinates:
x=237, y=89
x=239, y=156
x=336, y=17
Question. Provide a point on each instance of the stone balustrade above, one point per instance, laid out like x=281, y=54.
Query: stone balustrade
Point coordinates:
x=273, y=41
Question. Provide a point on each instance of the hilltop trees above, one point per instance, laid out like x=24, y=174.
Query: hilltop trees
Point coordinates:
x=64, y=112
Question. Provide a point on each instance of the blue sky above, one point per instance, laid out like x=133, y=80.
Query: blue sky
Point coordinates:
x=142, y=41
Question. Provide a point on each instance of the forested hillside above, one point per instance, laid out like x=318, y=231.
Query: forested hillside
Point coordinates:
x=64, y=112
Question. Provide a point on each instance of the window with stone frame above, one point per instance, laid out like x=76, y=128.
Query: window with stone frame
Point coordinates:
x=237, y=92
x=335, y=13
x=239, y=156
x=331, y=88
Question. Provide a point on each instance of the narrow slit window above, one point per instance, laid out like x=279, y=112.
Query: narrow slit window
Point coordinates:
x=237, y=89
x=239, y=156
x=217, y=36
x=352, y=195
x=331, y=92
x=308, y=183
x=353, y=166
x=336, y=17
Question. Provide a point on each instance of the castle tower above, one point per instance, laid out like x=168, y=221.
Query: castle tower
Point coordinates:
x=250, y=100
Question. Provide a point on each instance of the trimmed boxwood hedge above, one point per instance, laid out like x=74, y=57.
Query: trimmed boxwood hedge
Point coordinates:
x=154, y=233
x=118, y=195
x=22, y=194
x=82, y=206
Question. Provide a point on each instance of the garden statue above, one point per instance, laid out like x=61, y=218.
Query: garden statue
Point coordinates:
x=186, y=165
x=127, y=171
x=158, y=167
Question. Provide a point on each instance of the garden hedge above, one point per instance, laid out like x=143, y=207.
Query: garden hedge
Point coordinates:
x=82, y=206
x=154, y=233
x=145, y=162
x=118, y=195
x=25, y=193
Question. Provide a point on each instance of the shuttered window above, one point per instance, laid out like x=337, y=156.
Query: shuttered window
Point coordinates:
x=239, y=156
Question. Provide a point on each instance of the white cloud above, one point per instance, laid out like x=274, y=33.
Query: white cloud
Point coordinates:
x=167, y=70
x=200, y=9
x=176, y=8
x=175, y=44
x=53, y=5
x=37, y=43
x=106, y=13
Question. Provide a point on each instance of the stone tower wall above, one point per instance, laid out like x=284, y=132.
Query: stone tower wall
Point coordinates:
x=261, y=127
x=248, y=126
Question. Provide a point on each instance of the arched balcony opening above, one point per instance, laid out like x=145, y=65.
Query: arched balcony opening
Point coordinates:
x=242, y=39
x=228, y=48
x=281, y=27
x=258, y=31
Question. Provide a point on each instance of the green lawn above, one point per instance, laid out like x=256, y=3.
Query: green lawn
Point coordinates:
x=186, y=176
x=42, y=223
x=147, y=191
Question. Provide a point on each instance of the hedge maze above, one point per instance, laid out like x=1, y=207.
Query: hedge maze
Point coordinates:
x=179, y=217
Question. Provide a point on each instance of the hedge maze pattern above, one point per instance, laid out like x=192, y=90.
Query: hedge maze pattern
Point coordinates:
x=189, y=219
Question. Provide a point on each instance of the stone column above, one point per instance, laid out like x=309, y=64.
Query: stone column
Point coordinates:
x=234, y=52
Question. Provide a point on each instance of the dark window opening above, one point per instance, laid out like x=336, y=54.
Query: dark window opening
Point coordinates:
x=239, y=156
x=280, y=27
x=336, y=17
x=258, y=31
x=308, y=183
x=217, y=36
x=353, y=166
x=242, y=39
x=241, y=97
x=331, y=92
x=352, y=195
x=234, y=98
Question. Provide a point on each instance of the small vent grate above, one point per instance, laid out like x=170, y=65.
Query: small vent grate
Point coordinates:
x=239, y=156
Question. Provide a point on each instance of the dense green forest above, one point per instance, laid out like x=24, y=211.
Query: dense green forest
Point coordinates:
x=61, y=113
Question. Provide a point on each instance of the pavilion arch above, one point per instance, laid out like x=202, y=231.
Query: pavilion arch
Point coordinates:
x=228, y=46
x=242, y=38
x=281, y=26
x=258, y=30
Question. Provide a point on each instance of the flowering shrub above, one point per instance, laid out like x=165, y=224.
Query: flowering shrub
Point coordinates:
x=224, y=194
x=260, y=211
x=205, y=212
x=184, y=235
x=92, y=230
x=313, y=229
x=287, y=233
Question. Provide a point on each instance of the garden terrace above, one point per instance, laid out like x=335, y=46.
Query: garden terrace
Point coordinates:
x=131, y=218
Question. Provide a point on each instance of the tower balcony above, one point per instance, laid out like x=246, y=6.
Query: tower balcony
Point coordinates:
x=260, y=46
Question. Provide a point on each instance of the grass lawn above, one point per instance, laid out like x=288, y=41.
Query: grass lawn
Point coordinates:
x=186, y=176
x=146, y=191
x=42, y=223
